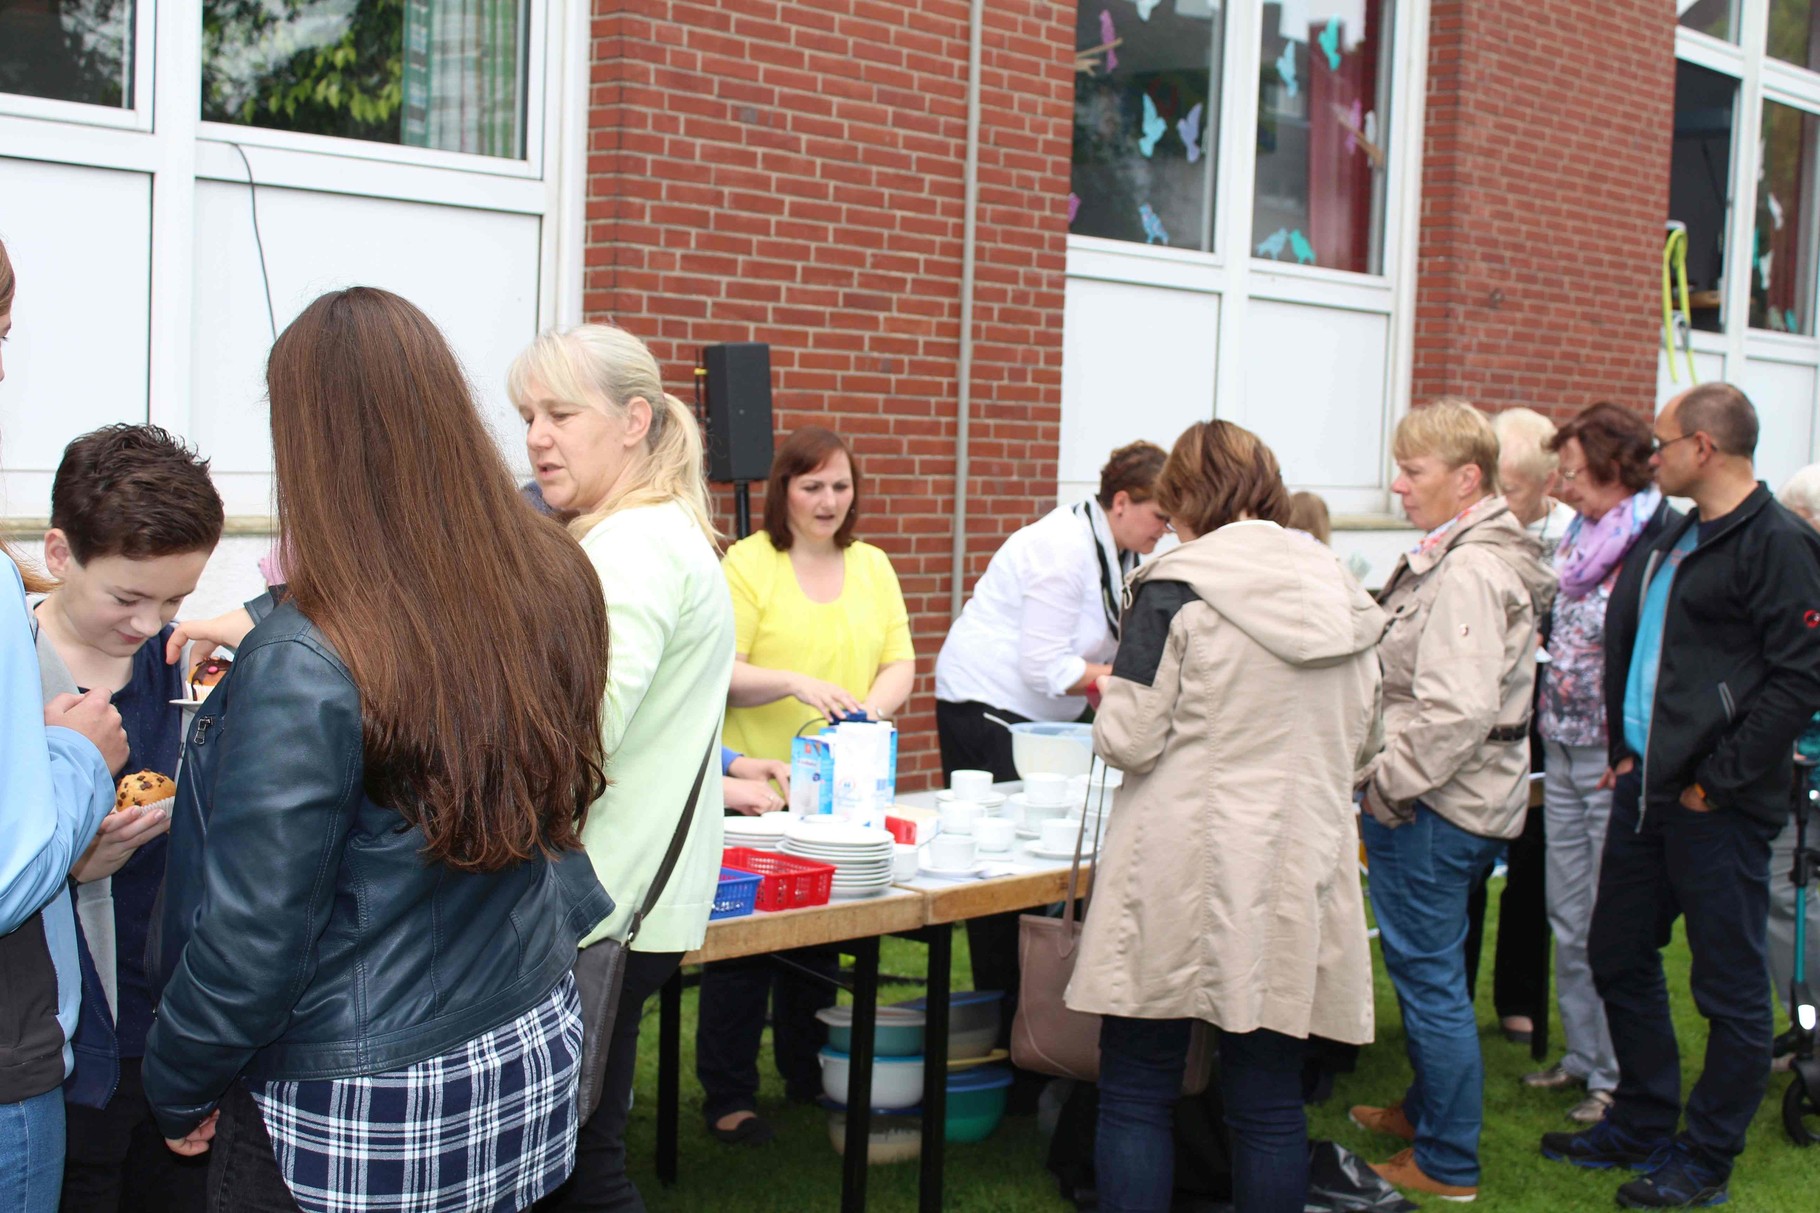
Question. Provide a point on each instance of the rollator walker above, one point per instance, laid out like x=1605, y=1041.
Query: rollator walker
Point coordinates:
x=1801, y=1102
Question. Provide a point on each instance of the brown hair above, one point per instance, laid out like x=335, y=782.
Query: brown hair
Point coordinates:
x=474, y=628
x=1131, y=470
x=1217, y=472
x=35, y=582
x=1308, y=512
x=1724, y=414
x=800, y=454
x=134, y=491
x=1616, y=441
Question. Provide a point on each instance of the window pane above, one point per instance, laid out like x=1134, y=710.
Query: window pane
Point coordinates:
x=1791, y=32
x=446, y=74
x=1716, y=17
x=1698, y=192
x=68, y=50
x=1146, y=120
x=1782, y=256
x=1323, y=122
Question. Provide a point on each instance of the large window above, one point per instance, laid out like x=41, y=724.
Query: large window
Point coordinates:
x=445, y=74
x=1323, y=114
x=1146, y=121
x=1782, y=256
x=1716, y=17
x=1699, y=190
x=1793, y=36
x=68, y=50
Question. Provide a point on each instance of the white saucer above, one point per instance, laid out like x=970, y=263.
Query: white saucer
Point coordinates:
x=186, y=703
x=1086, y=852
x=858, y=894
x=991, y=800
x=952, y=873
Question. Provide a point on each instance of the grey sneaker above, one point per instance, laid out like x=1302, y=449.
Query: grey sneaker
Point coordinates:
x=1552, y=1079
x=1592, y=1109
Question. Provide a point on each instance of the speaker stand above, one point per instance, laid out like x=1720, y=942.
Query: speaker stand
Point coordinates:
x=742, y=508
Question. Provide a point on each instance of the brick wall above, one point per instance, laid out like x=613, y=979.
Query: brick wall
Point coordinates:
x=792, y=173
x=1544, y=188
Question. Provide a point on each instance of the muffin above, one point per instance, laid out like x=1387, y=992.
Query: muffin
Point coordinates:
x=206, y=673
x=144, y=788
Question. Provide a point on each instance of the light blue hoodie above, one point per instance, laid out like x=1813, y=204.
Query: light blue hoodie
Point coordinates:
x=54, y=790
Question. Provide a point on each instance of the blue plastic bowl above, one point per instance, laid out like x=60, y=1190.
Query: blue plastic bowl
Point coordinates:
x=976, y=1102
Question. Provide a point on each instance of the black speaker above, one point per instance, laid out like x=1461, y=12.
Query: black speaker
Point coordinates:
x=738, y=383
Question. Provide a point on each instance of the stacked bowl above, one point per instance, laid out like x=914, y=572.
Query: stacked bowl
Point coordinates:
x=762, y=833
x=861, y=855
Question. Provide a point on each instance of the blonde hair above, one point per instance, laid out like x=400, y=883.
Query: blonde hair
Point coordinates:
x=1801, y=493
x=1453, y=431
x=1524, y=436
x=603, y=367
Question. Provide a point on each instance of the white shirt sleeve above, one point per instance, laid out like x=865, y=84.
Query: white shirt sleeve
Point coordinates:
x=1054, y=583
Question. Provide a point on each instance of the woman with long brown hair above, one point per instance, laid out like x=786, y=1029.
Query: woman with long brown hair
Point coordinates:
x=375, y=888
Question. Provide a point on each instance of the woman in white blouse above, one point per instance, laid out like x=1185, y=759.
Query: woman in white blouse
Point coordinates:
x=1043, y=622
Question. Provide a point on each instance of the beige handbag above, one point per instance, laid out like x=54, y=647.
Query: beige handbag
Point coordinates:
x=1048, y=1037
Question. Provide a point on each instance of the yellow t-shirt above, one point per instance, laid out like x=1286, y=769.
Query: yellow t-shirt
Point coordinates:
x=778, y=627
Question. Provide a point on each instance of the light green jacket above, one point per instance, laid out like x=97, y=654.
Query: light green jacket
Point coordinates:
x=670, y=643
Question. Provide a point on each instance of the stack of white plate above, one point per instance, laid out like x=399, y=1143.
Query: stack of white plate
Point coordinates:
x=991, y=803
x=861, y=855
x=762, y=833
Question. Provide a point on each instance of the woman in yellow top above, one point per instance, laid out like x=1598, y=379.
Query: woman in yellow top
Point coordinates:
x=820, y=630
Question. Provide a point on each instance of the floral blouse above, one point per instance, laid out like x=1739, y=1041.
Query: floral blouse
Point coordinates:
x=1573, y=680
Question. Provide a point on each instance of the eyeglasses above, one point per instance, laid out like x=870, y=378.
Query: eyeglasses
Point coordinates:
x=1658, y=445
x=1570, y=477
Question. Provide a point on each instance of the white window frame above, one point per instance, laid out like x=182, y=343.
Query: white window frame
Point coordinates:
x=134, y=117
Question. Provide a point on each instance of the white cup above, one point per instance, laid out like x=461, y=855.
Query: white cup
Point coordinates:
x=958, y=816
x=952, y=852
x=904, y=862
x=995, y=833
x=1059, y=834
x=1046, y=789
x=971, y=785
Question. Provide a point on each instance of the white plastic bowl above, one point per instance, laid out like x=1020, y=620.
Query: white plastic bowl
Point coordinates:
x=897, y=1082
x=1040, y=747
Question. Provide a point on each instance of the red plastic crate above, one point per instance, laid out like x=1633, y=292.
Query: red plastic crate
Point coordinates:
x=789, y=883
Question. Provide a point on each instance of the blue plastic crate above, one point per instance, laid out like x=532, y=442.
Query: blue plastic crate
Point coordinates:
x=736, y=894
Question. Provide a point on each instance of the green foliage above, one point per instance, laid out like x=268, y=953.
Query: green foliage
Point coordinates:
x=262, y=69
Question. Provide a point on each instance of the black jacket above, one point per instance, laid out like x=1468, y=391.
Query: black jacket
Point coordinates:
x=1621, y=624
x=303, y=934
x=1740, y=667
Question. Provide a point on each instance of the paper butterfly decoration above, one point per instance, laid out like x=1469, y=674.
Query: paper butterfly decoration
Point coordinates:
x=1789, y=322
x=1153, y=227
x=1108, y=36
x=1146, y=7
x=1355, y=125
x=1154, y=127
x=1286, y=68
x=1304, y=251
x=1273, y=244
x=1074, y=207
x=1330, y=42
x=1190, y=130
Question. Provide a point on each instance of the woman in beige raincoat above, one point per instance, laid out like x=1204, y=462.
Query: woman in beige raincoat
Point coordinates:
x=1241, y=702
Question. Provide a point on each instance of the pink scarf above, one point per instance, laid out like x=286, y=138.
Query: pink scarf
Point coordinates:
x=1472, y=513
x=1588, y=554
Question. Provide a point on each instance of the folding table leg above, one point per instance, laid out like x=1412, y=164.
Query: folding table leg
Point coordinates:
x=935, y=1067
x=669, y=1062
x=859, y=1074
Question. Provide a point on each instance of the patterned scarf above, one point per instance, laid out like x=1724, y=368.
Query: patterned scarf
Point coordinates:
x=1588, y=554
x=1437, y=538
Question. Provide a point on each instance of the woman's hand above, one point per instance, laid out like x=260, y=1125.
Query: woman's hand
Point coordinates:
x=93, y=715
x=763, y=770
x=226, y=630
x=197, y=1142
x=120, y=835
x=825, y=697
x=749, y=797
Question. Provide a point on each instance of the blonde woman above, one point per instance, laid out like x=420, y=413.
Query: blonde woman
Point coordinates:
x=610, y=446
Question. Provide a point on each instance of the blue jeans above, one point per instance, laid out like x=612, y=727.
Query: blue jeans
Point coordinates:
x=1141, y=1064
x=1421, y=876
x=31, y=1153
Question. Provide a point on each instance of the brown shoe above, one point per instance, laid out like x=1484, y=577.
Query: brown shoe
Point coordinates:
x=1403, y=1172
x=1389, y=1121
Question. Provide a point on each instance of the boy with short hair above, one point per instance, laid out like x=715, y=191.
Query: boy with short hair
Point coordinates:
x=134, y=518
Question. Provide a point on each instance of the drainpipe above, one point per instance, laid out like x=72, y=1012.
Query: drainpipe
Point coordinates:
x=963, y=428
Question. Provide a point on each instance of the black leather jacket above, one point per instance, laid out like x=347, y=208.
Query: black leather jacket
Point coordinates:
x=302, y=932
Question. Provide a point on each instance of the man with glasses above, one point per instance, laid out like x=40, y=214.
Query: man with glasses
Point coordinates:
x=1717, y=632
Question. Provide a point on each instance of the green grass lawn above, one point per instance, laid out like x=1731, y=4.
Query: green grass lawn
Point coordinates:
x=801, y=1171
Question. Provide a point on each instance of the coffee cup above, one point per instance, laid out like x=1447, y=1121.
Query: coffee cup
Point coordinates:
x=1059, y=834
x=904, y=863
x=1046, y=789
x=970, y=785
x=995, y=833
x=952, y=852
x=958, y=816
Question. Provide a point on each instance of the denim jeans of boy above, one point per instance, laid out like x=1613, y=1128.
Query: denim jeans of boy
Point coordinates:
x=31, y=1153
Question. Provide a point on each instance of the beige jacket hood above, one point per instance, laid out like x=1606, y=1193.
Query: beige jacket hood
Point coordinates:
x=1459, y=662
x=1243, y=697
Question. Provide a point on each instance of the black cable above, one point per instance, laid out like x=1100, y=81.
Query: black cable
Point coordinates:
x=252, y=191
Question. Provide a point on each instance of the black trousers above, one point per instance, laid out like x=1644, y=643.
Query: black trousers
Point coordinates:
x=243, y=1173
x=599, y=1181
x=117, y=1162
x=1712, y=871
x=1520, y=967
x=730, y=1026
